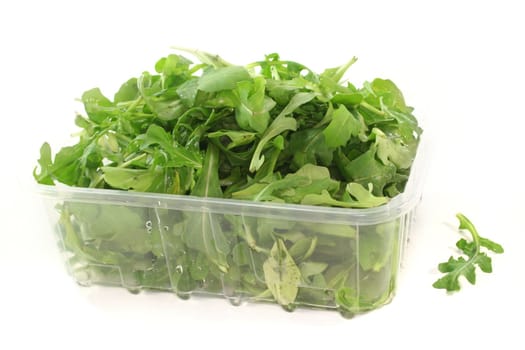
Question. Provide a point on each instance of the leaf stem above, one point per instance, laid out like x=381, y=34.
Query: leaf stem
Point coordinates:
x=466, y=224
x=371, y=108
x=134, y=159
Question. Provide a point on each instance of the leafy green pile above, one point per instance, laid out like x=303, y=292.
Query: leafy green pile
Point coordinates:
x=271, y=131
x=455, y=268
x=268, y=131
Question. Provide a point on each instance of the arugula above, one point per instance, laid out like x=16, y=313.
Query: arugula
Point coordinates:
x=202, y=231
x=281, y=274
x=454, y=268
x=269, y=131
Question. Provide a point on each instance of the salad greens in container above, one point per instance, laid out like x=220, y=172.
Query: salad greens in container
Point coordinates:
x=264, y=182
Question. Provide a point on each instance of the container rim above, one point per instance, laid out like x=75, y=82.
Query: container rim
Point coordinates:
x=396, y=207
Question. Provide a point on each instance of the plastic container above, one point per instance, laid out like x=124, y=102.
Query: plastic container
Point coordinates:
x=292, y=255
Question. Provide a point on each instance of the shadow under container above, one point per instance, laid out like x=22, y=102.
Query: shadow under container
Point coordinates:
x=291, y=255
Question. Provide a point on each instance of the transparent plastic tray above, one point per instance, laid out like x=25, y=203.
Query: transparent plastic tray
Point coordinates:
x=292, y=255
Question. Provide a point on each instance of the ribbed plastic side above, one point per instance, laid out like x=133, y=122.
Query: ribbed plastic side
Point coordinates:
x=307, y=256
x=291, y=255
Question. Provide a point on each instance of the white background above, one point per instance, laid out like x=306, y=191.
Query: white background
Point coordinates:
x=460, y=64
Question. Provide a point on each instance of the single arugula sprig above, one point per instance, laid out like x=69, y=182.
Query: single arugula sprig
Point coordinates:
x=455, y=268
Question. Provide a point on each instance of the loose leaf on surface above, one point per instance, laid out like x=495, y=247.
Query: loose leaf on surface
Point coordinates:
x=454, y=268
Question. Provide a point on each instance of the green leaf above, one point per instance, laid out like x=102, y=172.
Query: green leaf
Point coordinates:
x=455, y=268
x=448, y=282
x=468, y=248
x=236, y=138
x=140, y=180
x=360, y=198
x=241, y=254
x=324, y=199
x=179, y=156
x=66, y=166
x=265, y=191
x=392, y=150
x=309, y=179
x=277, y=127
x=329, y=79
x=309, y=146
x=45, y=162
x=492, y=246
x=187, y=92
x=377, y=243
x=466, y=224
x=280, y=124
x=328, y=229
x=342, y=127
x=173, y=65
x=163, y=103
x=199, y=268
x=364, y=197
x=347, y=299
x=252, y=105
x=452, y=264
x=208, y=184
x=296, y=101
x=203, y=231
x=366, y=169
x=128, y=91
x=303, y=248
x=98, y=107
x=349, y=99
x=223, y=78
x=281, y=274
x=389, y=93
x=484, y=262
x=73, y=242
x=309, y=269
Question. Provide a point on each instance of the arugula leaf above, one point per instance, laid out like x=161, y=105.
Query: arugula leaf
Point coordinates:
x=203, y=231
x=392, y=150
x=252, y=106
x=236, y=137
x=140, y=180
x=309, y=269
x=455, y=268
x=281, y=274
x=208, y=184
x=365, y=197
x=97, y=105
x=224, y=78
x=67, y=167
x=173, y=65
x=278, y=126
x=330, y=78
x=303, y=248
x=376, y=245
x=342, y=127
x=366, y=169
x=308, y=146
x=292, y=188
x=388, y=93
x=45, y=162
x=128, y=91
x=179, y=156
x=358, y=197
